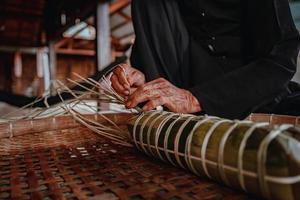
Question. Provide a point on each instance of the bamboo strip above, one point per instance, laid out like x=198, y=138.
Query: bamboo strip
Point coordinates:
x=22, y=127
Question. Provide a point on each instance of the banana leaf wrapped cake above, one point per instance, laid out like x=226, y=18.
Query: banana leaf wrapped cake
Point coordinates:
x=255, y=157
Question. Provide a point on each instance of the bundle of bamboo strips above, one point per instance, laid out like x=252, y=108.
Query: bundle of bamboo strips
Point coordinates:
x=66, y=114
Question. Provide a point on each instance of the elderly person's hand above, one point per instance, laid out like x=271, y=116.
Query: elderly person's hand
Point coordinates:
x=125, y=79
x=161, y=92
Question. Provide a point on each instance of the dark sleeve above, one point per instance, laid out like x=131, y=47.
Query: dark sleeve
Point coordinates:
x=272, y=45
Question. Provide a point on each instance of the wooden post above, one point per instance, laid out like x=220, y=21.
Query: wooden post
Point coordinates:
x=103, y=46
x=43, y=70
x=18, y=64
x=103, y=43
x=46, y=70
x=39, y=63
x=52, y=65
x=18, y=72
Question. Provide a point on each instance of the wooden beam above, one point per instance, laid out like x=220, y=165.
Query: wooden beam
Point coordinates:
x=82, y=44
x=76, y=52
x=122, y=14
x=126, y=36
x=127, y=20
x=119, y=5
x=119, y=25
x=24, y=50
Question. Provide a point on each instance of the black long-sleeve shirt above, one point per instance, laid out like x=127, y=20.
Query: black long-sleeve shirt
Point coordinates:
x=234, y=56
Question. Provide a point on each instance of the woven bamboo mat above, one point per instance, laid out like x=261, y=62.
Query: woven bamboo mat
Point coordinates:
x=75, y=163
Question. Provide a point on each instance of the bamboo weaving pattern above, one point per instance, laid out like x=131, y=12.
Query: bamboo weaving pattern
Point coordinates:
x=76, y=164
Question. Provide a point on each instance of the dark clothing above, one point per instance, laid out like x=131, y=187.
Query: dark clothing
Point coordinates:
x=236, y=57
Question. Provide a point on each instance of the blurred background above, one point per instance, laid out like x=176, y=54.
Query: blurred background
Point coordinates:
x=44, y=40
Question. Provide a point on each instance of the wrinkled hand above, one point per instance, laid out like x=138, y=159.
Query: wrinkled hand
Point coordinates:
x=161, y=92
x=125, y=79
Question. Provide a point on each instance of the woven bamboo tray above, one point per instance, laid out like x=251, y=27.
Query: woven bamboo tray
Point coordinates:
x=60, y=159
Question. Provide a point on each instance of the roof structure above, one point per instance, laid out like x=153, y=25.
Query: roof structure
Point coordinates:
x=32, y=23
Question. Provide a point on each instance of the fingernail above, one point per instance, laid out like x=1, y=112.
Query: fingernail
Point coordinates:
x=126, y=92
